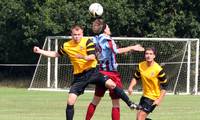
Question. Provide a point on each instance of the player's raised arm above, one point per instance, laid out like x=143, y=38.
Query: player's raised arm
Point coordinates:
x=137, y=47
x=45, y=53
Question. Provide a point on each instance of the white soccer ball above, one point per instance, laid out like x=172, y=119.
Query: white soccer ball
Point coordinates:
x=96, y=9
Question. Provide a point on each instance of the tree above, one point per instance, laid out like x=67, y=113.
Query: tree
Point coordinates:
x=25, y=23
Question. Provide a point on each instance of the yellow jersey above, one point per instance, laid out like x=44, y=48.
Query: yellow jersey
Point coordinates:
x=152, y=78
x=84, y=47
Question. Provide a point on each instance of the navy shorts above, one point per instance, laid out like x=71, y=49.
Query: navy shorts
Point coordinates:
x=147, y=104
x=82, y=80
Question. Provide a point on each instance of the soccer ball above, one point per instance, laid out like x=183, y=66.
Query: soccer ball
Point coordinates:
x=96, y=9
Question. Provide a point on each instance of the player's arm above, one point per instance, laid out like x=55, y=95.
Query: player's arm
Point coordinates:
x=137, y=47
x=161, y=97
x=87, y=57
x=45, y=53
x=133, y=82
x=111, y=44
x=163, y=84
x=131, y=85
x=90, y=51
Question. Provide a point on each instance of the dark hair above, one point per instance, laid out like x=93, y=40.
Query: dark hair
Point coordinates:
x=102, y=25
x=152, y=49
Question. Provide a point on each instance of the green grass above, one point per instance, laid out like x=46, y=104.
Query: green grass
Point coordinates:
x=21, y=104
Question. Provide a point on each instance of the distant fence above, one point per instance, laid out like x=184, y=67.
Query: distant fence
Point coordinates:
x=16, y=75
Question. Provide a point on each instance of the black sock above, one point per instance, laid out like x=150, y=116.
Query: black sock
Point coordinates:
x=148, y=119
x=120, y=92
x=69, y=112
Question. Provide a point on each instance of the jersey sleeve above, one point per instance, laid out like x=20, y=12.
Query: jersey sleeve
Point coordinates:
x=112, y=45
x=90, y=47
x=163, y=79
x=137, y=74
x=61, y=50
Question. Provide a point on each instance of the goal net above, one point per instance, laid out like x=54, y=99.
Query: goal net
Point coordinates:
x=178, y=56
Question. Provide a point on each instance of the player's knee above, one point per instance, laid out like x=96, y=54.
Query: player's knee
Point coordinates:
x=142, y=115
x=115, y=103
x=110, y=84
x=96, y=100
x=71, y=99
x=70, y=102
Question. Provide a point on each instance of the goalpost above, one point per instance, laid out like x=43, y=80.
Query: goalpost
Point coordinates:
x=178, y=56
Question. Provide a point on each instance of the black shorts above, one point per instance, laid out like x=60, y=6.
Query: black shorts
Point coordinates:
x=147, y=104
x=81, y=81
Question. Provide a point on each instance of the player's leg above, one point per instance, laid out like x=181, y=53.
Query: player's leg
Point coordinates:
x=70, y=106
x=100, y=79
x=141, y=115
x=92, y=107
x=115, y=76
x=112, y=85
x=147, y=107
x=115, y=109
x=77, y=88
x=120, y=92
x=99, y=93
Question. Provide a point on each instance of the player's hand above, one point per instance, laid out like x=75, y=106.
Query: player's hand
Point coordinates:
x=137, y=47
x=156, y=102
x=130, y=91
x=80, y=56
x=36, y=49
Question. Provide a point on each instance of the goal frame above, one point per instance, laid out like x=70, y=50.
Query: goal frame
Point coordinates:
x=56, y=38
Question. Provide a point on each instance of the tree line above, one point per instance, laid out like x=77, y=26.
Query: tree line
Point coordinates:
x=25, y=23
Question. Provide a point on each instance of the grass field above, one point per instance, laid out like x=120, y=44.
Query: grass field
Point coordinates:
x=21, y=104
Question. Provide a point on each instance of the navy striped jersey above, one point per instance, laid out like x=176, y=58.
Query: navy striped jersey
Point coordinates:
x=106, y=51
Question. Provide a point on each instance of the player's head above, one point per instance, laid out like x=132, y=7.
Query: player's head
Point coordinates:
x=98, y=26
x=76, y=32
x=150, y=54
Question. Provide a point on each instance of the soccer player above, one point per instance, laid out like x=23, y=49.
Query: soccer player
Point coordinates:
x=154, y=84
x=81, y=52
x=106, y=51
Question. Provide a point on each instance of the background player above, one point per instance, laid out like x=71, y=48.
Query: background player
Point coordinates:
x=154, y=83
x=106, y=51
x=81, y=52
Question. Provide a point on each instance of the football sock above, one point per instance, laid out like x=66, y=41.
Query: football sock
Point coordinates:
x=115, y=113
x=120, y=92
x=69, y=112
x=90, y=111
x=148, y=119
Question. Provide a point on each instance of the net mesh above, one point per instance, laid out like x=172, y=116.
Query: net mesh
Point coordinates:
x=172, y=55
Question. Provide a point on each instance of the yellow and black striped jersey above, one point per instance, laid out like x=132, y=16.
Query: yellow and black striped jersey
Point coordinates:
x=153, y=79
x=84, y=47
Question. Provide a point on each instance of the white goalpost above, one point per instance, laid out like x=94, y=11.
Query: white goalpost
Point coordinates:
x=178, y=56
